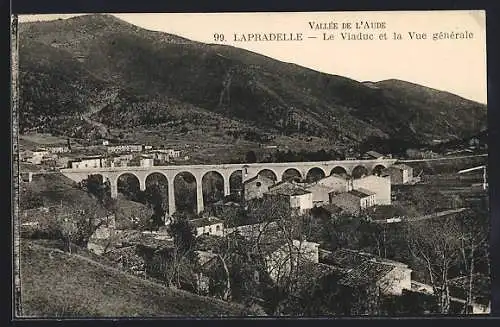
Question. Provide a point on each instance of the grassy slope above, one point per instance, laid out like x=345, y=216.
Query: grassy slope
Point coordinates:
x=57, y=284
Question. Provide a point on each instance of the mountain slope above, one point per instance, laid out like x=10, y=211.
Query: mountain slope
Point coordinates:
x=165, y=79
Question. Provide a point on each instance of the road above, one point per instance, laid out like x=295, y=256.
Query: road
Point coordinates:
x=424, y=217
x=443, y=158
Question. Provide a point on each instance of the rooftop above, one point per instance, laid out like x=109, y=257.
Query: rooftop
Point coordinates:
x=358, y=193
x=361, y=192
x=261, y=178
x=89, y=157
x=374, y=154
x=365, y=273
x=320, y=187
x=347, y=258
x=287, y=188
x=133, y=237
x=358, y=268
x=312, y=273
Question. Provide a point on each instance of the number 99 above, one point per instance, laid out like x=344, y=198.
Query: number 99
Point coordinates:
x=218, y=37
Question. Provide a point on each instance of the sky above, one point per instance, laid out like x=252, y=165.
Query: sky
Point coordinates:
x=454, y=65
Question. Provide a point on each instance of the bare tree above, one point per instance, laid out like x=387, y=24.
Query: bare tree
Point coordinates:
x=473, y=242
x=278, y=242
x=435, y=244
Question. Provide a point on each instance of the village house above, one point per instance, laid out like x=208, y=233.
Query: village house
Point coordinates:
x=35, y=157
x=278, y=255
x=172, y=153
x=59, y=149
x=296, y=196
x=336, y=183
x=255, y=187
x=353, y=201
x=400, y=174
x=159, y=155
x=146, y=162
x=326, y=211
x=372, y=155
x=360, y=268
x=381, y=186
x=62, y=162
x=254, y=230
x=208, y=226
x=320, y=193
x=124, y=148
x=89, y=162
x=121, y=160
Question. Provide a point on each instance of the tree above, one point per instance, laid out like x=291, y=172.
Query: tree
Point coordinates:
x=278, y=243
x=473, y=227
x=142, y=217
x=77, y=225
x=100, y=189
x=435, y=244
x=156, y=196
x=185, y=193
x=182, y=253
x=68, y=230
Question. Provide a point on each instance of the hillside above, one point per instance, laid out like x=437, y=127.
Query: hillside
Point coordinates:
x=81, y=75
x=57, y=284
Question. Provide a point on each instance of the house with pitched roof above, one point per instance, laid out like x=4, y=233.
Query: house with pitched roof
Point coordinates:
x=336, y=183
x=296, y=196
x=280, y=255
x=208, y=226
x=379, y=185
x=359, y=269
x=255, y=187
x=400, y=174
x=353, y=201
x=371, y=155
x=320, y=193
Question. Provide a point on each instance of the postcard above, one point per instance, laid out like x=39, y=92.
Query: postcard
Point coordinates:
x=208, y=165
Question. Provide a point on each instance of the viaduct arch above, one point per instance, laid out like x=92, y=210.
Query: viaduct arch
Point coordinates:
x=247, y=171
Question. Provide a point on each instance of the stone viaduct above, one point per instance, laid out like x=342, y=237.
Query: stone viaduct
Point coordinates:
x=225, y=170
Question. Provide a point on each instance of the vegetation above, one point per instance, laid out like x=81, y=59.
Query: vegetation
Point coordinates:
x=126, y=76
x=59, y=285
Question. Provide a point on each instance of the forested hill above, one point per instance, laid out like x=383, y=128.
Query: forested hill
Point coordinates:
x=98, y=69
